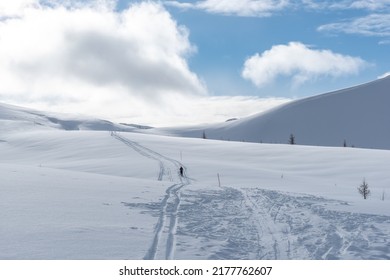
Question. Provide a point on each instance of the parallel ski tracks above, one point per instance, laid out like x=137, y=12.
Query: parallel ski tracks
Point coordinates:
x=166, y=227
x=166, y=230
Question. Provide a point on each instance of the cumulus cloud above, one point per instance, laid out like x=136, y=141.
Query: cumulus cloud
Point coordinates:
x=235, y=7
x=86, y=57
x=83, y=57
x=300, y=62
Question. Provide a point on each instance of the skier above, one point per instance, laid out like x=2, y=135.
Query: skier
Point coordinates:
x=181, y=171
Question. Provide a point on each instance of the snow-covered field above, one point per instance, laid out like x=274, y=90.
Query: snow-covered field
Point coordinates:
x=118, y=195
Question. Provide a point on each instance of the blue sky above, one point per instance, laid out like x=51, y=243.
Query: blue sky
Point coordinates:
x=167, y=63
x=225, y=41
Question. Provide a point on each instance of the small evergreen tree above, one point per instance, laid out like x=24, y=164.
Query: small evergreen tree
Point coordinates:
x=204, y=135
x=345, y=143
x=291, y=139
x=363, y=189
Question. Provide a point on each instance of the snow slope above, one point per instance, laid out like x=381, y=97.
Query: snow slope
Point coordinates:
x=14, y=116
x=359, y=116
x=103, y=195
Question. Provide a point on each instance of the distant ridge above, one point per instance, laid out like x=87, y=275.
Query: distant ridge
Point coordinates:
x=14, y=117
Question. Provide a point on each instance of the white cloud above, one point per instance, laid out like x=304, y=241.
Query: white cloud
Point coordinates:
x=15, y=8
x=372, y=5
x=235, y=7
x=371, y=25
x=375, y=23
x=85, y=57
x=263, y=8
x=384, y=42
x=300, y=62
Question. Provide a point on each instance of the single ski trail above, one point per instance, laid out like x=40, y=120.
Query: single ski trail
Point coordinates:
x=166, y=227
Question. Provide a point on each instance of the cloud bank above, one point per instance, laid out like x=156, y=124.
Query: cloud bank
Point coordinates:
x=86, y=57
x=300, y=62
x=132, y=65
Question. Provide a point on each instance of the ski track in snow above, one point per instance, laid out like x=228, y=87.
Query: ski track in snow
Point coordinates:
x=266, y=227
x=169, y=207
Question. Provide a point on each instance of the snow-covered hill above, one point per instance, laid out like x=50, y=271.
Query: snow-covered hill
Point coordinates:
x=14, y=117
x=358, y=116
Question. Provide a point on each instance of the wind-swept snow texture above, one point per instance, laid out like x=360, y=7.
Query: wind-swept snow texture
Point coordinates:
x=358, y=116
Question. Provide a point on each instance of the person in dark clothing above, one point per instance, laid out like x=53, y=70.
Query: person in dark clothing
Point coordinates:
x=181, y=170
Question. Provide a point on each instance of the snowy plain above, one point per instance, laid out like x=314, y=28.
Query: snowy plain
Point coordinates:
x=84, y=194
